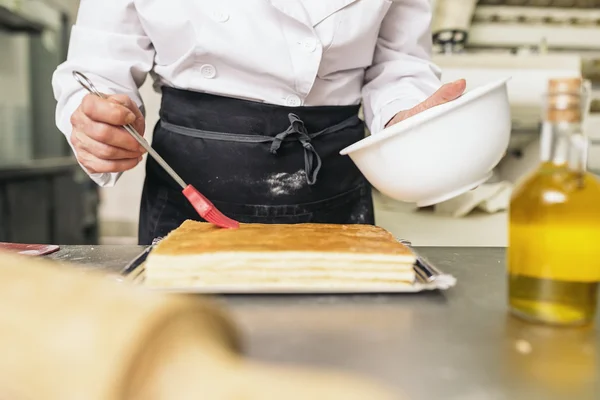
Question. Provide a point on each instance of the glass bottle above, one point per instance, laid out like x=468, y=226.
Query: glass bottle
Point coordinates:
x=554, y=224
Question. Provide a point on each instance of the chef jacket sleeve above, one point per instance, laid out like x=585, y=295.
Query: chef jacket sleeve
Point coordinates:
x=109, y=46
x=402, y=74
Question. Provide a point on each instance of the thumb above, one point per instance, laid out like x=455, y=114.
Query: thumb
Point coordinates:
x=448, y=92
x=139, y=123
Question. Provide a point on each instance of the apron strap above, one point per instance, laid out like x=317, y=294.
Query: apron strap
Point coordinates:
x=312, y=160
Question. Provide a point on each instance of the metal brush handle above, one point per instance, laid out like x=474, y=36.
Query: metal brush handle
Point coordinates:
x=426, y=272
x=89, y=86
x=135, y=264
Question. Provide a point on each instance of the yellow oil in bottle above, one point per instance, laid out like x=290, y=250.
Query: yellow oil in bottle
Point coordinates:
x=554, y=225
x=554, y=252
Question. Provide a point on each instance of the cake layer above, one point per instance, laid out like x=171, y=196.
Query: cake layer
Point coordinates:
x=283, y=260
x=200, y=255
x=273, y=274
x=194, y=237
x=292, y=285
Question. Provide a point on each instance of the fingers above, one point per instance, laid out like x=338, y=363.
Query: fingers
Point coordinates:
x=100, y=142
x=448, y=92
x=139, y=124
x=102, y=150
x=104, y=133
x=107, y=111
x=97, y=165
x=117, y=110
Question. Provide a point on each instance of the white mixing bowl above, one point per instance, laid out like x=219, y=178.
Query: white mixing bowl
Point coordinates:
x=440, y=153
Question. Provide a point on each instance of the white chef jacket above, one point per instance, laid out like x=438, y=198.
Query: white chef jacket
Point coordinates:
x=282, y=52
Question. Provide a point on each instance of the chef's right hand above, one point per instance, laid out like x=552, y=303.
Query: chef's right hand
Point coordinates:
x=101, y=144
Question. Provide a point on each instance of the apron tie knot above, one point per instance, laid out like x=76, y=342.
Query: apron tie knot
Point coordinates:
x=311, y=157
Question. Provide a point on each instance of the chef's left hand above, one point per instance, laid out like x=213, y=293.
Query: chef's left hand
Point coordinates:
x=446, y=93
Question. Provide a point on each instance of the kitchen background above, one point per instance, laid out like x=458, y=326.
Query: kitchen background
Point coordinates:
x=45, y=198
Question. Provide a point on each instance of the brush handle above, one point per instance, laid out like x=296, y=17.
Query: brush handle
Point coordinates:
x=155, y=155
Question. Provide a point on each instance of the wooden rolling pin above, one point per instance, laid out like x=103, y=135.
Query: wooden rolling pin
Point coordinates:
x=71, y=336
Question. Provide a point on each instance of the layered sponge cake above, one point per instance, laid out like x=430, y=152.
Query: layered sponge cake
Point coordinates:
x=200, y=255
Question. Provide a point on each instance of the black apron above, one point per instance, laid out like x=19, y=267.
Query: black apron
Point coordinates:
x=258, y=163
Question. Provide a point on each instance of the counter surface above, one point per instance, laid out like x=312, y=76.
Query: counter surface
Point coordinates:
x=458, y=344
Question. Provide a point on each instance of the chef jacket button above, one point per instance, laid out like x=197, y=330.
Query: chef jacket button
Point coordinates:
x=293, y=101
x=309, y=44
x=208, y=71
x=220, y=16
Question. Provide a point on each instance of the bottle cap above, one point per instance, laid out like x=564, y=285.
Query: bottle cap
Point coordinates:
x=565, y=85
x=564, y=100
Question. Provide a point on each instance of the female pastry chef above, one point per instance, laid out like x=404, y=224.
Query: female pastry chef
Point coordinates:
x=258, y=98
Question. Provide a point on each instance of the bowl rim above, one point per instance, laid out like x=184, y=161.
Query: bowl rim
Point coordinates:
x=425, y=116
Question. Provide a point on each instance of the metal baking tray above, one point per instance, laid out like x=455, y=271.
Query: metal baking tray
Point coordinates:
x=428, y=277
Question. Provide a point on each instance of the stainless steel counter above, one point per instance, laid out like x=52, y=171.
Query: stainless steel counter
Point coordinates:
x=458, y=344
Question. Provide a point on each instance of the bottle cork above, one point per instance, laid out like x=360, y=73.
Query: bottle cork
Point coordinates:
x=564, y=85
x=564, y=100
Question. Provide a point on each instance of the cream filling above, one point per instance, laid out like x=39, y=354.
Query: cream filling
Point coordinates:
x=296, y=283
x=290, y=269
x=281, y=274
x=284, y=259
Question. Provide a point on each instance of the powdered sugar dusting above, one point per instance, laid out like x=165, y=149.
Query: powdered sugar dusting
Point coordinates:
x=283, y=183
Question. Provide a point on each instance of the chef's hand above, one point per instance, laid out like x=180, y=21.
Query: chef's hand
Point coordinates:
x=446, y=93
x=101, y=145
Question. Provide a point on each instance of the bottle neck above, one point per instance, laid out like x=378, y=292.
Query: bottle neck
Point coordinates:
x=561, y=145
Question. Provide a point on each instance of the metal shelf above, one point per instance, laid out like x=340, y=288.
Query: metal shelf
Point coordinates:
x=40, y=167
x=514, y=26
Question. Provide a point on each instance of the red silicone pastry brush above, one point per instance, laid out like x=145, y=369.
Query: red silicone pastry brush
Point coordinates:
x=201, y=204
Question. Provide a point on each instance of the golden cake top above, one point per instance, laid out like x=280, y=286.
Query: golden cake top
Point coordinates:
x=194, y=237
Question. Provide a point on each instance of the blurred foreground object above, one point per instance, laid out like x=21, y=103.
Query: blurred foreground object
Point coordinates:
x=68, y=335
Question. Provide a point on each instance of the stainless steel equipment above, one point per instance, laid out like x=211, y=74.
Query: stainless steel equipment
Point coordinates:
x=33, y=42
x=45, y=197
x=528, y=40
